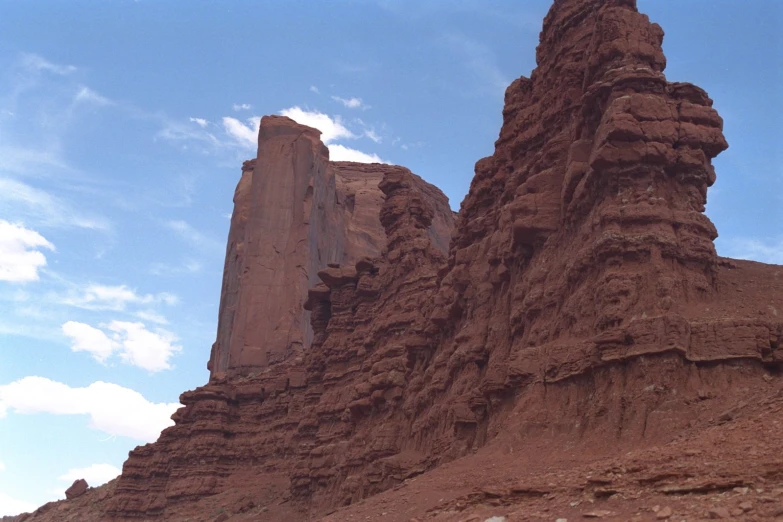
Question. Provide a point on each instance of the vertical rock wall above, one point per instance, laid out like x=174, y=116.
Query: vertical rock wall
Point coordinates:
x=580, y=277
x=295, y=213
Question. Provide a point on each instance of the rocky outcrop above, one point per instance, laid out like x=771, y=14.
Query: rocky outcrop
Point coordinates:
x=295, y=213
x=77, y=489
x=347, y=217
x=582, y=241
x=580, y=305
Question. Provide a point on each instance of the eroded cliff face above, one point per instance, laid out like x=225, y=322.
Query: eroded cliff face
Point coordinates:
x=582, y=243
x=297, y=220
x=580, y=303
x=294, y=214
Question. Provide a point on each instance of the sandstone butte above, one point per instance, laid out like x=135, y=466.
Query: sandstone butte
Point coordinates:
x=568, y=346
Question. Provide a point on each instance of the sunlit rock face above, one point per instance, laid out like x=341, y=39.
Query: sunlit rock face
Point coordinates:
x=362, y=342
x=295, y=213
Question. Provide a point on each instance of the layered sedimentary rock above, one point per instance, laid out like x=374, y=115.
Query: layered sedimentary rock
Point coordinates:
x=295, y=213
x=297, y=220
x=580, y=304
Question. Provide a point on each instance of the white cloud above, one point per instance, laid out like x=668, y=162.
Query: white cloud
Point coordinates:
x=114, y=297
x=10, y=506
x=85, y=338
x=112, y=409
x=351, y=103
x=132, y=342
x=243, y=136
x=342, y=153
x=20, y=253
x=332, y=129
x=314, y=89
x=41, y=207
x=237, y=138
x=33, y=62
x=140, y=347
x=87, y=95
x=95, y=475
x=241, y=107
x=246, y=135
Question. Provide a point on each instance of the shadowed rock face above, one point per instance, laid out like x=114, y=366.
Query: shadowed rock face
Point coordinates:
x=78, y=488
x=583, y=237
x=294, y=213
x=580, y=303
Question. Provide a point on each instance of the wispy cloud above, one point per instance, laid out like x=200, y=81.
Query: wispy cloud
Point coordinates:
x=112, y=409
x=41, y=207
x=231, y=137
x=351, y=103
x=114, y=298
x=34, y=62
x=370, y=133
x=151, y=316
x=241, y=107
x=314, y=89
x=414, y=145
x=201, y=122
x=193, y=236
x=20, y=253
x=181, y=131
x=25, y=159
x=87, y=95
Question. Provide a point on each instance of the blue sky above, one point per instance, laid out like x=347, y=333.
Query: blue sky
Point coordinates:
x=123, y=126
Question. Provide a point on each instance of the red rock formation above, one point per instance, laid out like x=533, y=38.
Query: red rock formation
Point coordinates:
x=581, y=308
x=294, y=213
x=77, y=489
x=296, y=217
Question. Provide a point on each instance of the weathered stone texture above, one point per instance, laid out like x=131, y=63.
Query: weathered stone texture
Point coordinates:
x=579, y=300
x=294, y=213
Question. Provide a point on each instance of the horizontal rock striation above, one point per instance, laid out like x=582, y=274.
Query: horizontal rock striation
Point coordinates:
x=578, y=305
x=264, y=373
